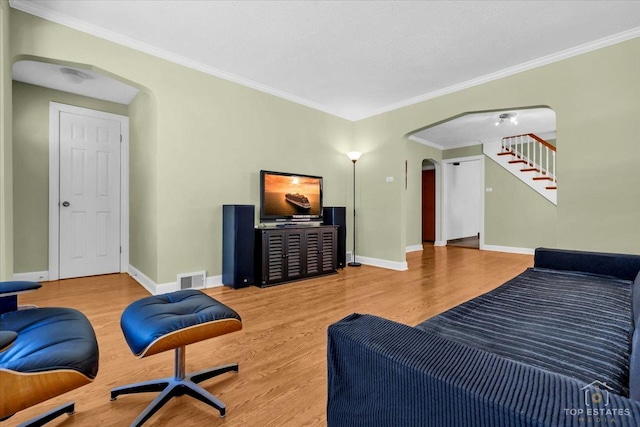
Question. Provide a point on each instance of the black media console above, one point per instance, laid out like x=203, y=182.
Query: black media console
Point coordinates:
x=294, y=253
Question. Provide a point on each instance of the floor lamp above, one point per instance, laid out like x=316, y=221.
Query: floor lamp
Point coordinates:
x=354, y=156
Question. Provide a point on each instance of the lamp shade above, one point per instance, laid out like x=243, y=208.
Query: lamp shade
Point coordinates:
x=354, y=155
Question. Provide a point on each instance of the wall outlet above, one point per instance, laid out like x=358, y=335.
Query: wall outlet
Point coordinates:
x=389, y=179
x=489, y=189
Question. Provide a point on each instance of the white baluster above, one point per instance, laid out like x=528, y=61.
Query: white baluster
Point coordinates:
x=555, y=175
x=540, y=158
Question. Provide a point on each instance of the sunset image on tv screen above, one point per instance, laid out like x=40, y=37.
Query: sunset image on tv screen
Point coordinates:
x=286, y=195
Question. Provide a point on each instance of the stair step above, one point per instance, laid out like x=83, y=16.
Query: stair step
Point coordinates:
x=542, y=178
x=530, y=170
x=552, y=187
x=511, y=162
x=506, y=153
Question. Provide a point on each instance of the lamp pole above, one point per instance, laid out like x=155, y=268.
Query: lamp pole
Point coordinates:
x=354, y=156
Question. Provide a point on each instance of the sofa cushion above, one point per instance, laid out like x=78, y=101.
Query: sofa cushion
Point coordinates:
x=568, y=323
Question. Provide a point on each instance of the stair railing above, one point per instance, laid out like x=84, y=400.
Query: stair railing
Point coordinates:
x=535, y=152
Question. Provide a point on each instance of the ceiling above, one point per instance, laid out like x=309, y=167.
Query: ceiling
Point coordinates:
x=476, y=128
x=353, y=59
x=94, y=85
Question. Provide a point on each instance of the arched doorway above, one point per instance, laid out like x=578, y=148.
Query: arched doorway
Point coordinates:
x=428, y=201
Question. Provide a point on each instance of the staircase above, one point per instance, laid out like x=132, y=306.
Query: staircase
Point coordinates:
x=531, y=159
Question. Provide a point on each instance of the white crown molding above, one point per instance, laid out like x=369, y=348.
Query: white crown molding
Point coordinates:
x=545, y=60
x=442, y=147
x=67, y=21
x=426, y=142
x=48, y=14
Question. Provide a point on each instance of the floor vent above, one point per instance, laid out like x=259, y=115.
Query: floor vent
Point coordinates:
x=192, y=280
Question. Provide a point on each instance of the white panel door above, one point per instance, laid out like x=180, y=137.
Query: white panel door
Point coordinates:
x=89, y=196
x=464, y=193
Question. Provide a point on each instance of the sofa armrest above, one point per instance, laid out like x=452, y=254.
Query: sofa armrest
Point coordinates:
x=620, y=266
x=385, y=373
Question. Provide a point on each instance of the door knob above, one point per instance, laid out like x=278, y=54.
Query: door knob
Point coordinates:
x=66, y=204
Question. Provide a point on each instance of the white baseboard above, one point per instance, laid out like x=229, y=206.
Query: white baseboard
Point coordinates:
x=440, y=243
x=164, y=288
x=34, y=276
x=508, y=249
x=414, y=248
x=141, y=278
x=377, y=262
x=213, y=282
x=382, y=263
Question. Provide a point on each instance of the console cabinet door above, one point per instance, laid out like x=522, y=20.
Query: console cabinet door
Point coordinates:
x=294, y=254
x=313, y=252
x=274, y=255
x=328, y=253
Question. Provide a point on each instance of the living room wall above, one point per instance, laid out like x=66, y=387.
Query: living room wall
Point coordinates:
x=595, y=98
x=143, y=188
x=31, y=169
x=212, y=138
x=6, y=169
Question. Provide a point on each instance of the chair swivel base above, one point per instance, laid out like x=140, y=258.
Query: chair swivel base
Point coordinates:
x=178, y=385
x=67, y=408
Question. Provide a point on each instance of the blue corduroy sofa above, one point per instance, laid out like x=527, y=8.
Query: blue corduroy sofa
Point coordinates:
x=555, y=346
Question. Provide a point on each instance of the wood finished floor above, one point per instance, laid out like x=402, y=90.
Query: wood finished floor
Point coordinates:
x=282, y=348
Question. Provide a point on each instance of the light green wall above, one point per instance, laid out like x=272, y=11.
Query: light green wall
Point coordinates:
x=6, y=165
x=416, y=153
x=454, y=153
x=31, y=169
x=143, y=177
x=212, y=138
x=595, y=97
x=512, y=207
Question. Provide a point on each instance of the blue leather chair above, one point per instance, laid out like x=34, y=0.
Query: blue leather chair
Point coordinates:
x=44, y=352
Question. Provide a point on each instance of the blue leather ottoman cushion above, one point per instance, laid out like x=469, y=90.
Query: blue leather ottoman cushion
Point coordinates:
x=151, y=318
x=49, y=339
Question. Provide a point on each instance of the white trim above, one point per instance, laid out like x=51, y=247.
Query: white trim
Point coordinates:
x=443, y=237
x=33, y=276
x=383, y=263
x=55, y=109
x=76, y=24
x=214, y=282
x=443, y=147
x=545, y=60
x=48, y=14
x=141, y=278
x=377, y=262
x=508, y=249
x=156, y=289
x=414, y=248
x=439, y=243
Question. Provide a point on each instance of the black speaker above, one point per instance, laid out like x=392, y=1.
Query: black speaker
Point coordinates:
x=238, y=241
x=337, y=215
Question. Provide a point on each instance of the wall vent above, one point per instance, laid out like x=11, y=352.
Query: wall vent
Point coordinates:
x=192, y=280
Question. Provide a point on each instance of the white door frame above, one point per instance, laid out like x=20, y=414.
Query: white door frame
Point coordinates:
x=445, y=195
x=54, y=183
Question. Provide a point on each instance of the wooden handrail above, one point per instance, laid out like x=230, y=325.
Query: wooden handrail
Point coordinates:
x=536, y=137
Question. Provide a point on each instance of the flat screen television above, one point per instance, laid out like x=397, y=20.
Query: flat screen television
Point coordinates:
x=288, y=197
